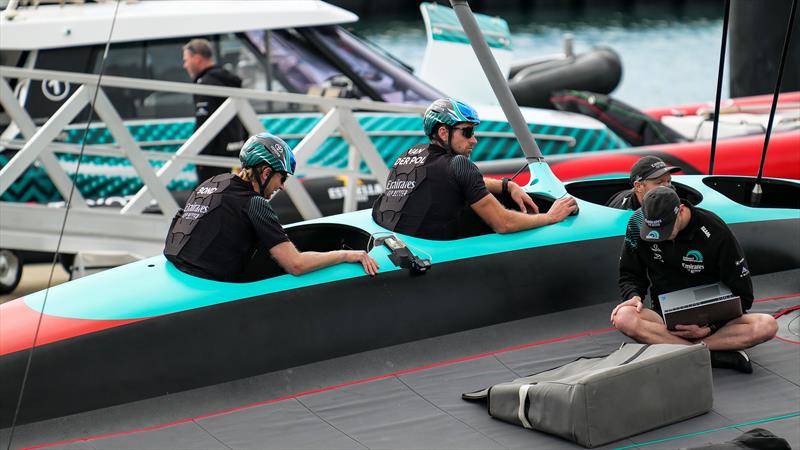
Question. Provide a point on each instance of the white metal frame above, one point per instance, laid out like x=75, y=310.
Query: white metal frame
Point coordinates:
x=36, y=227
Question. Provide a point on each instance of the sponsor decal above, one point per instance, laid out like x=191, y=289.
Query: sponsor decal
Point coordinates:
x=400, y=184
x=658, y=165
x=693, y=256
x=362, y=192
x=653, y=234
x=705, y=231
x=206, y=190
x=744, y=270
x=196, y=208
x=410, y=160
x=657, y=257
x=277, y=149
x=693, y=261
x=655, y=248
x=654, y=223
x=416, y=151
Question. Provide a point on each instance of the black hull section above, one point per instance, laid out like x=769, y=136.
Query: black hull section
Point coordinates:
x=262, y=334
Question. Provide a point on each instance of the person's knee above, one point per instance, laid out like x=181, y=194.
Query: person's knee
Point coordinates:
x=764, y=328
x=627, y=321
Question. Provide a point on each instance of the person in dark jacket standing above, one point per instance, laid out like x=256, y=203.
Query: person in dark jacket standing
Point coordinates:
x=198, y=60
x=672, y=245
x=228, y=216
x=648, y=173
x=431, y=184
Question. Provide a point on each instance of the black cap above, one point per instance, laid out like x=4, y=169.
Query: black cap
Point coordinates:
x=660, y=209
x=650, y=167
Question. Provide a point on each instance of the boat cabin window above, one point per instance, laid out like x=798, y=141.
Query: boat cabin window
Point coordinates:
x=378, y=76
x=315, y=237
x=600, y=191
x=775, y=193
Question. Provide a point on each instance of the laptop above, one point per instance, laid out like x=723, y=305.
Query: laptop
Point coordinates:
x=700, y=305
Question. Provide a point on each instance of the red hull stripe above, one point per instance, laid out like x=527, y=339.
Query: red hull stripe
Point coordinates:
x=763, y=100
x=18, y=322
x=352, y=383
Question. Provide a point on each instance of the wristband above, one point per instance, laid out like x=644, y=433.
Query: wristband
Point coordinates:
x=504, y=191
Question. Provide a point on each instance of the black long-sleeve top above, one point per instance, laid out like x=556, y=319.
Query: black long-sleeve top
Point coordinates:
x=704, y=252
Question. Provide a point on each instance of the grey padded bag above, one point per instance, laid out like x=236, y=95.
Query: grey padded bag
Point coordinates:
x=594, y=401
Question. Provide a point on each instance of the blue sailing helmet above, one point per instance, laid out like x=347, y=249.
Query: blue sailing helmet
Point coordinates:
x=448, y=111
x=270, y=149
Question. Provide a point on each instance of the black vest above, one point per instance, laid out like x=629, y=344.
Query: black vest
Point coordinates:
x=212, y=236
x=420, y=198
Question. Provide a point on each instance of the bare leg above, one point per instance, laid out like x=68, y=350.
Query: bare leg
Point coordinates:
x=645, y=327
x=744, y=332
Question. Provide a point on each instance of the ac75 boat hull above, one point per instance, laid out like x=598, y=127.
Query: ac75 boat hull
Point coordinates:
x=147, y=329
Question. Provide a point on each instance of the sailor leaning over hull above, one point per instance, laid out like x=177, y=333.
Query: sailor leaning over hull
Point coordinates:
x=215, y=234
x=430, y=185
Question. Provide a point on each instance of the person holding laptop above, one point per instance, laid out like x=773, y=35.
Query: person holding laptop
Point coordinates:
x=672, y=245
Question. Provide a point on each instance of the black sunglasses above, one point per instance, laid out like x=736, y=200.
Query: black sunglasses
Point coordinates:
x=284, y=176
x=467, y=132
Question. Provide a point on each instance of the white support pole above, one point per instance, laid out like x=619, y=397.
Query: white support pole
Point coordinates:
x=39, y=141
x=192, y=147
x=316, y=137
x=25, y=124
x=302, y=153
x=355, y=136
x=105, y=110
x=249, y=117
x=351, y=190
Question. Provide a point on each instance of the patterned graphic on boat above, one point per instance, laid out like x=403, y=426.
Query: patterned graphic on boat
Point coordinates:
x=103, y=177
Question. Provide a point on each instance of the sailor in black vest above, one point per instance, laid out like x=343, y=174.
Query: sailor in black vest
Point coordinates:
x=430, y=184
x=215, y=234
x=648, y=173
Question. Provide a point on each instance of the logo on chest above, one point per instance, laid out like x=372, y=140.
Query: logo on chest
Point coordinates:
x=693, y=261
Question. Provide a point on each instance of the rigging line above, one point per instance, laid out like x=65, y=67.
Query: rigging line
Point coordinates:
x=717, y=101
x=519, y=171
x=755, y=196
x=63, y=226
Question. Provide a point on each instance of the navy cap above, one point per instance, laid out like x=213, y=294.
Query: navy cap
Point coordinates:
x=660, y=209
x=650, y=167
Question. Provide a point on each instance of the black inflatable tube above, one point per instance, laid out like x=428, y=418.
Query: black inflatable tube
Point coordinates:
x=599, y=70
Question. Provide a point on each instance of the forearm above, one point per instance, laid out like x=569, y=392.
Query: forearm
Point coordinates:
x=515, y=221
x=494, y=186
x=311, y=261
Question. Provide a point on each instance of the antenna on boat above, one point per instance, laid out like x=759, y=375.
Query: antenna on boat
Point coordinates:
x=755, y=195
x=63, y=226
x=541, y=174
x=717, y=101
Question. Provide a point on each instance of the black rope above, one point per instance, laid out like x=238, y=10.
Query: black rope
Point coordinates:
x=61, y=233
x=755, y=196
x=519, y=171
x=722, y=47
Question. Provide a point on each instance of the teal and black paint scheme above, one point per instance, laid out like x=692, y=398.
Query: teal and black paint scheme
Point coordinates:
x=145, y=329
x=103, y=177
